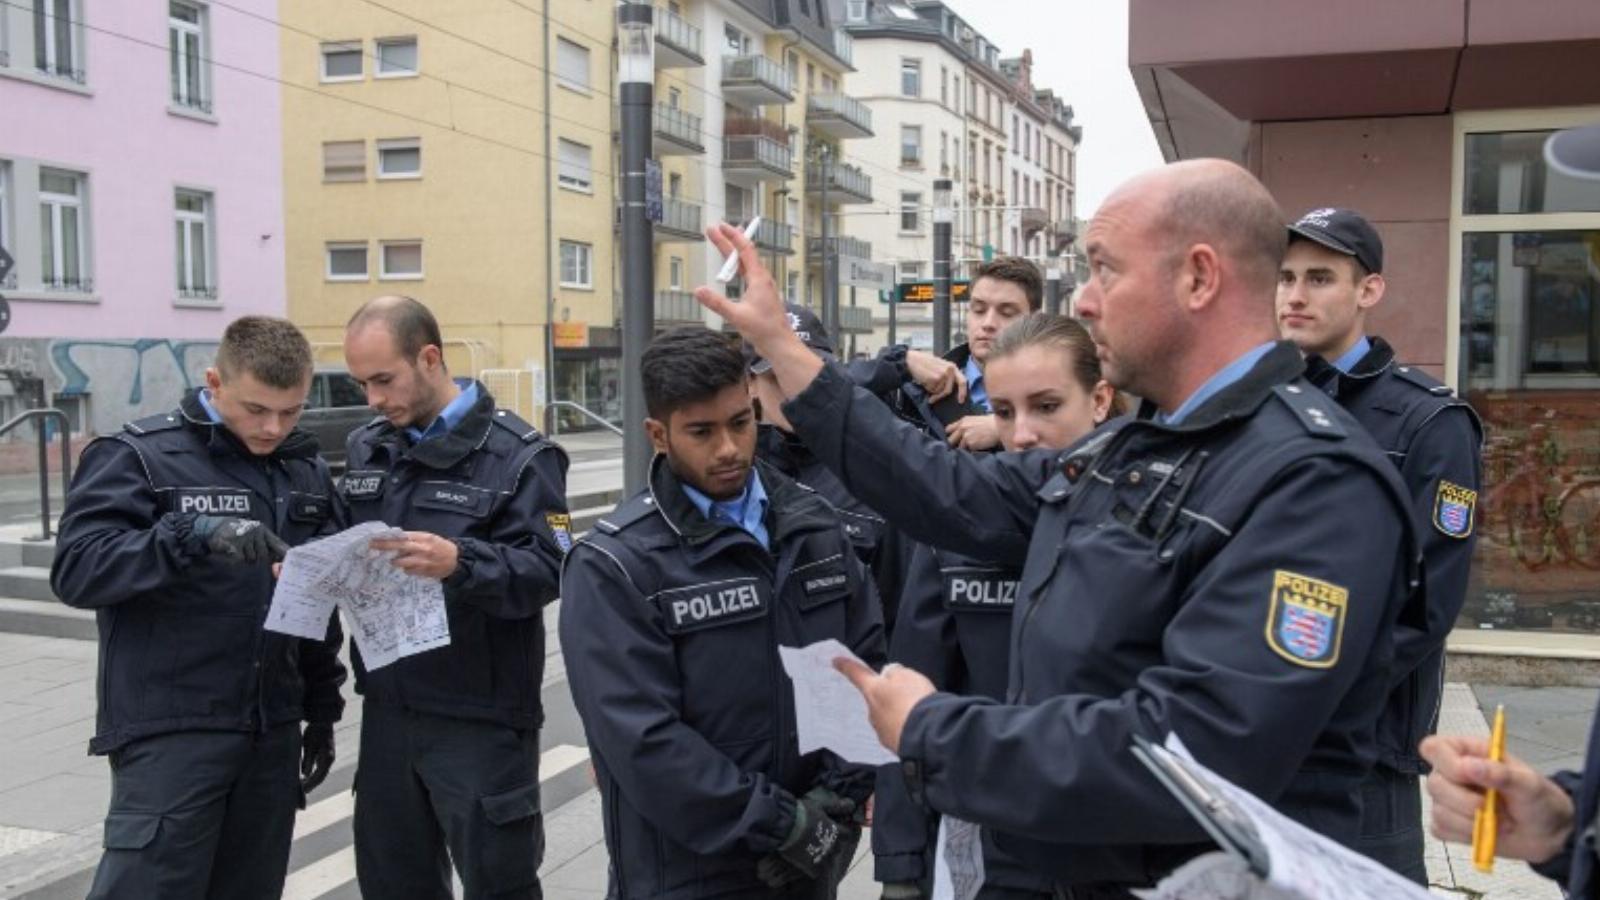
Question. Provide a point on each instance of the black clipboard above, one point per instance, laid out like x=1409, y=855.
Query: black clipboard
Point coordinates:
x=1230, y=828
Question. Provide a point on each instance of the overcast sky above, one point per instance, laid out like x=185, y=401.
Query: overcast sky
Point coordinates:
x=1080, y=50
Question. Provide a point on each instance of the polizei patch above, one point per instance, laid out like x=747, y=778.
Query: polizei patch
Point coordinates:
x=214, y=502
x=1453, y=506
x=982, y=590
x=713, y=603
x=1305, y=621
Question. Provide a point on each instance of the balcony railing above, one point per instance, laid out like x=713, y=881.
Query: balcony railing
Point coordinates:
x=839, y=114
x=677, y=307
x=680, y=217
x=68, y=285
x=774, y=236
x=1033, y=219
x=756, y=79
x=198, y=104
x=201, y=292
x=844, y=46
x=679, y=126
x=855, y=319
x=843, y=245
x=66, y=72
x=681, y=42
x=758, y=152
x=847, y=182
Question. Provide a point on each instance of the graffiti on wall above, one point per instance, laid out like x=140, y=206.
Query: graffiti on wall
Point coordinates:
x=114, y=380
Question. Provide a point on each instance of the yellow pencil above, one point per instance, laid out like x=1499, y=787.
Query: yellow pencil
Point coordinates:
x=1485, y=826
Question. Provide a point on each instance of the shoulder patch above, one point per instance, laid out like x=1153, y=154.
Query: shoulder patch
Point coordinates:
x=561, y=528
x=151, y=424
x=1453, y=508
x=518, y=426
x=1312, y=407
x=1305, y=619
x=1415, y=376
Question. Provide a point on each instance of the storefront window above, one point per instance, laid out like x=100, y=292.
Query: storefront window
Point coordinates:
x=1506, y=174
x=594, y=383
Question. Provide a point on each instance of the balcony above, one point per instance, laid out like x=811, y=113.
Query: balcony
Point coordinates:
x=842, y=246
x=677, y=132
x=755, y=150
x=838, y=116
x=677, y=308
x=844, y=46
x=773, y=237
x=1063, y=233
x=678, y=44
x=1033, y=220
x=855, y=320
x=680, y=222
x=755, y=80
x=846, y=184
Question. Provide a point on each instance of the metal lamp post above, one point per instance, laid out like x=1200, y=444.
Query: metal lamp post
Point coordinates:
x=637, y=74
x=943, y=219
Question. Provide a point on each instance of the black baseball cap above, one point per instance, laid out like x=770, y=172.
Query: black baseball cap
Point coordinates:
x=806, y=326
x=1342, y=231
x=1575, y=152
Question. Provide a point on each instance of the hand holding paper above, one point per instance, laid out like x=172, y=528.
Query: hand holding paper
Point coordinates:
x=829, y=713
x=890, y=695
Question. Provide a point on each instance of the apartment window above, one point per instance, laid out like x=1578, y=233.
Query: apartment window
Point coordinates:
x=829, y=83
x=1016, y=134
x=957, y=92
x=791, y=294
x=911, y=77
x=856, y=10
x=573, y=170
x=674, y=98
x=910, y=271
x=735, y=42
x=944, y=151
x=341, y=61
x=910, y=145
x=6, y=239
x=675, y=273
x=397, y=57
x=194, y=250
x=55, y=39
x=61, y=231
x=577, y=265
x=572, y=64
x=186, y=26
x=910, y=211
x=811, y=77
x=344, y=161
x=674, y=185
x=400, y=158
x=944, y=86
x=791, y=62
x=347, y=261
x=400, y=260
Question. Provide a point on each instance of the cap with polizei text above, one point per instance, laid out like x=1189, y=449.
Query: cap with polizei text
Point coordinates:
x=1342, y=231
x=806, y=326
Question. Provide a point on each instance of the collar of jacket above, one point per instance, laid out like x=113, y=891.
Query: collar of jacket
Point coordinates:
x=791, y=509
x=1327, y=377
x=1281, y=365
x=447, y=449
x=782, y=450
x=298, y=445
x=959, y=354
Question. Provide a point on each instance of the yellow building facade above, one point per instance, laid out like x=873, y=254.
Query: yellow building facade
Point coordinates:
x=461, y=153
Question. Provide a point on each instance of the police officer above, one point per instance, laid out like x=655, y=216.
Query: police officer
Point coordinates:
x=1331, y=277
x=170, y=532
x=1228, y=566
x=450, y=738
x=674, y=608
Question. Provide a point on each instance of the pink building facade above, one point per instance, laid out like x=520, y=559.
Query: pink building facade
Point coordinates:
x=140, y=194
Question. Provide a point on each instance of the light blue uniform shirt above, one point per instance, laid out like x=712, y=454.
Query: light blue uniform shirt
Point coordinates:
x=747, y=511
x=1228, y=375
x=450, y=416
x=1352, y=356
x=975, y=389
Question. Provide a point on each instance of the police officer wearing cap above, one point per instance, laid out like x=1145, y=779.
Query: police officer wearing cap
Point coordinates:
x=170, y=533
x=1330, y=279
x=450, y=738
x=673, y=610
x=1227, y=566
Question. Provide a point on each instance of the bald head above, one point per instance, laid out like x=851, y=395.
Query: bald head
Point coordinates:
x=1216, y=202
x=410, y=323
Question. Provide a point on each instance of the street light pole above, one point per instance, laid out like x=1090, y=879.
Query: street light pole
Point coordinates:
x=830, y=277
x=943, y=217
x=636, y=51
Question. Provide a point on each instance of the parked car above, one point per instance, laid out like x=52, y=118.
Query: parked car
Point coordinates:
x=335, y=407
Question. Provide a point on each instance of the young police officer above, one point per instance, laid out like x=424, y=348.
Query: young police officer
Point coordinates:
x=1227, y=566
x=1330, y=278
x=170, y=532
x=674, y=608
x=450, y=738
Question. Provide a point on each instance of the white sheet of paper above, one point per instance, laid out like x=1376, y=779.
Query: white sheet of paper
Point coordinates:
x=829, y=712
x=1213, y=876
x=1304, y=864
x=957, y=861
x=390, y=613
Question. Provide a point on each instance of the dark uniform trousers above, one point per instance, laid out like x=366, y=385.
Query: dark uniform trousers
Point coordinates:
x=671, y=625
x=1435, y=440
x=199, y=706
x=448, y=772
x=1239, y=574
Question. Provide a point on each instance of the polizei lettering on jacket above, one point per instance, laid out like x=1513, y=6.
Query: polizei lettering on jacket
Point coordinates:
x=980, y=589
x=715, y=603
x=215, y=504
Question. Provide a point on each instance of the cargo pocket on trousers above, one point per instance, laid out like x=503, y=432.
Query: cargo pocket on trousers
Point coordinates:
x=131, y=831
x=512, y=840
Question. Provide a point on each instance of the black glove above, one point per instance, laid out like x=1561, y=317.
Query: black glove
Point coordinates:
x=239, y=540
x=316, y=755
x=819, y=832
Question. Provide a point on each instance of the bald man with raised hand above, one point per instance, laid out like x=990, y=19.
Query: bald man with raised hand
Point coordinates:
x=1229, y=565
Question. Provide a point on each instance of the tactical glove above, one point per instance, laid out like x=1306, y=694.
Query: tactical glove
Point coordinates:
x=239, y=540
x=815, y=838
x=316, y=755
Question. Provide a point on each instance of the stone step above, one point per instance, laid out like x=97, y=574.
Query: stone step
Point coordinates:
x=26, y=583
x=46, y=619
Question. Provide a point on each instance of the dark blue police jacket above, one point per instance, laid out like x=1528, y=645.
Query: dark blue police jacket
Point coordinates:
x=182, y=647
x=955, y=628
x=670, y=625
x=497, y=487
x=1235, y=580
x=1436, y=440
x=1577, y=867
